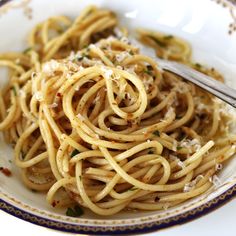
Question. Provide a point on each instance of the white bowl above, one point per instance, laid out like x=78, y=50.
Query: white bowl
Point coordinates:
x=204, y=23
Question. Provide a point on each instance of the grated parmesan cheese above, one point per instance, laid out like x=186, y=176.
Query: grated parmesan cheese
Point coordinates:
x=53, y=105
x=174, y=146
x=121, y=56
x=179, y=162
x=117, y=32
x=22, y=93
x=148, y=82
x=169, y=113
x=50, y=67
x=215, y=180
x=218, y=166
x=92, y=46
x=191, y=185
x=107, y=72
x=80, y=117
x=38, y=96
x=193, y=144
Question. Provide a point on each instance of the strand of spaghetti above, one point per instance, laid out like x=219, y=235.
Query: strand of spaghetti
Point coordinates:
x=129, y=179
x=187, y=115
x=86, y=199
x=60, y=183
x=140, y=88
x=35, y=186
x=200, y=153
x=215, y=122
x=47, y=137
x=12, y=113
x=184, y=196
x=12, y=65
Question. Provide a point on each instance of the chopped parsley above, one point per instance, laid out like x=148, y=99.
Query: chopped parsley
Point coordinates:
x=182, y=137
x=85, y=55
x=81, y=58
x=22, y=155
x=74, y=153
x=168, y=37
x=27, y=50
x=178, y=117
x=157, y=41
x=14, y=90
x=133, y=189
x=149, y=67
x=74, y=212
x=179, y=147
x=150, y=151
x=157, y=133
x=198, y=66
x=147, y=72
x=131, y=53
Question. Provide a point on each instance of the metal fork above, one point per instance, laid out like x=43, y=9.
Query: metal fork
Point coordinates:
x=211, y=85
x=207, y=83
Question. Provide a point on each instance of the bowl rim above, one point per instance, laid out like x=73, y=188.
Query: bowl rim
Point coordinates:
x=145, y=227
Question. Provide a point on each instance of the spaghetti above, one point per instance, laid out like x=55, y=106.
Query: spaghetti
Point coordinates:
x=95, y=122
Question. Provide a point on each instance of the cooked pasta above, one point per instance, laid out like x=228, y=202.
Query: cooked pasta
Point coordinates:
x=96, y=123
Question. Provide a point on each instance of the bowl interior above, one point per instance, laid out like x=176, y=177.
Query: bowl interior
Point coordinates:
x=207, y=31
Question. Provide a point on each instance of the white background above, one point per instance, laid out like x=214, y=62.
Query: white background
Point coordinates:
x=221, y=222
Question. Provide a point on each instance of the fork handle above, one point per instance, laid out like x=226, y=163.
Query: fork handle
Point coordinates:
x=213, y=86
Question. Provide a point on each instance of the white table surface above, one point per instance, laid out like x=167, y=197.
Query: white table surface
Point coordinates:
x=221, y=222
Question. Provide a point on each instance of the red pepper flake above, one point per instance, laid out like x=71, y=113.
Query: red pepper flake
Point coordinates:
x=5, y=171
x=220, y=158
x=59, y=95
x=129, y=116
x=55, y=202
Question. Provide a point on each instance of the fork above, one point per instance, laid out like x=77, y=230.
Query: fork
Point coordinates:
x=207, y=83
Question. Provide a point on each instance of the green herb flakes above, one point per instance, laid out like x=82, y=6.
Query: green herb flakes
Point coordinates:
x=168, y=37
x=74, y=153
x=198, y=66
x=133, y=189
x=74, y=212
x=14, y=90
x=147, y=72
x=157, y=41
x=157, y=133
x=27, y=50
x=22, y=155
x=150, y=151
